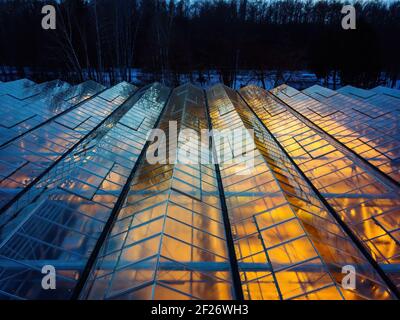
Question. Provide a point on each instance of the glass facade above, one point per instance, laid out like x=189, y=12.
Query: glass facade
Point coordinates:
x=168, y=241
x=364, y=201
x=369, y=129
x=281, y=226
x=21, y=113
x=80, y=191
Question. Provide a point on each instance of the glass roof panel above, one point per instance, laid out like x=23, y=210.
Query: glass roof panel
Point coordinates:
x=350, y=187
x=60, y=219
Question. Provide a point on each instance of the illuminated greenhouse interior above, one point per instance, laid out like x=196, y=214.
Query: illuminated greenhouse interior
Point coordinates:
x=78, y=193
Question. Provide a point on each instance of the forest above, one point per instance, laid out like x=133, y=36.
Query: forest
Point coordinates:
x=105, y=40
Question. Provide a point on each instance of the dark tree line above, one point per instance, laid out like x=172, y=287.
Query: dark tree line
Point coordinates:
x=104, y=39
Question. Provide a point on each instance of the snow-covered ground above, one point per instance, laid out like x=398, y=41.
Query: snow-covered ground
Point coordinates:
x=299, y=79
